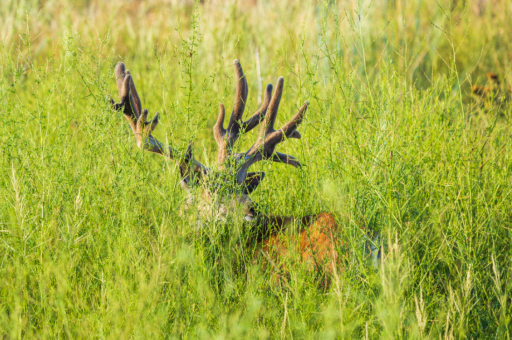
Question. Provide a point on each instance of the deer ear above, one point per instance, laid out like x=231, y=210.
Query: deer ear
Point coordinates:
x=252, y=181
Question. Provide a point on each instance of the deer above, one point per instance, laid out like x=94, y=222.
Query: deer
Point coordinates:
x=318, y=234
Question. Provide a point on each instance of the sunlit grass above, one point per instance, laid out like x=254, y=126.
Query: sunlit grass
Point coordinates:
x=94, y=238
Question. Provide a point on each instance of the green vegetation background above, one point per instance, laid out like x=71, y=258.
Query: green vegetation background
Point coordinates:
x=94, y=241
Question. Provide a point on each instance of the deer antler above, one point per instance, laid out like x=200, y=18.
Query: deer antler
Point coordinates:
x=226, y=138
x=269, y=137
x=137, y=117
x=264, y=148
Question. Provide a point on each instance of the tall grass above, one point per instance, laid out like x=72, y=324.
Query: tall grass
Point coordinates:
x=94, y=240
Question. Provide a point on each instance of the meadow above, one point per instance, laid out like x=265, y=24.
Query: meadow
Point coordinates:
x=94, y=240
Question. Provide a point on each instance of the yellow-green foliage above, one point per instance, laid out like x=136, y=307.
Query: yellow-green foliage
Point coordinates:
x=94, y=240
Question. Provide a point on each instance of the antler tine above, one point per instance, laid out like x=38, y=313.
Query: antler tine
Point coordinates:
x=144, y=129
x=242, y=91
x=270, y=118
x=289, y=129
x=126, y=100
x=218, y=129
x=135, y=95
x=286, y=159
x=256, y=118
x=120, y=74
x=126, y=89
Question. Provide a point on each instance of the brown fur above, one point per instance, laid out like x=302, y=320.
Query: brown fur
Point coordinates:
x=493, y=89
x=316, y=245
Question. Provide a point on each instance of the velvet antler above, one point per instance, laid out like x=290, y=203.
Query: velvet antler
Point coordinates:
x=131, y=106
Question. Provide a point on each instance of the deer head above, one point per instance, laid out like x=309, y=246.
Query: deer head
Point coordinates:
x=232, y=184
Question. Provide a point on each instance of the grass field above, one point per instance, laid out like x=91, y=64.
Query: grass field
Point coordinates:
x=94, y=240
